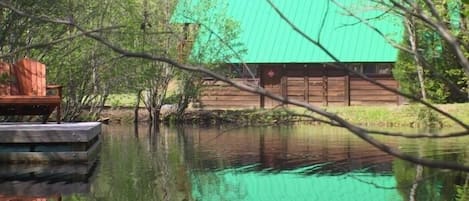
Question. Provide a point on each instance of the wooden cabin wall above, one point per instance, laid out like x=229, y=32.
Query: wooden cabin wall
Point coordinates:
x=334, y=86
x=217, y=95
x=317, y=84
x=296, y=82
x=363, y=92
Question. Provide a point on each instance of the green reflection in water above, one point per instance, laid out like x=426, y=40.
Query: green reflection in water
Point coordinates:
x=417, y=183
x=261, y=186
x=294, y=163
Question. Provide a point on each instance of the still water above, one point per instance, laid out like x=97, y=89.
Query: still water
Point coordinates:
x=256, y=164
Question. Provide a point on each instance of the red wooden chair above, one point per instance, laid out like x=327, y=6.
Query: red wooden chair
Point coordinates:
x=28, y=94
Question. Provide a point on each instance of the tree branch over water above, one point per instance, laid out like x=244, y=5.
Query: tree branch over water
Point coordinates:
x=57, y=41
x=340, y=65
x=358, y=131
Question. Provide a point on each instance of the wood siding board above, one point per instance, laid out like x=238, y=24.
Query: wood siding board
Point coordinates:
x=347, y=89
x=375, y=98
x=324, y=85
x=306, y=83
x=230, y=98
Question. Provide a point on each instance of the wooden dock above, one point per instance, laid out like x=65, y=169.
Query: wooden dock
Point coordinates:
x=67, y=142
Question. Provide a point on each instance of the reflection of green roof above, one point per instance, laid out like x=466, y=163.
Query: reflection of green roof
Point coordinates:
x=258, y=186
x=269, y=39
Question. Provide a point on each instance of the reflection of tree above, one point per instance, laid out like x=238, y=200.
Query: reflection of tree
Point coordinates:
x=150, y=167
x=203, y=184
x=418, y=183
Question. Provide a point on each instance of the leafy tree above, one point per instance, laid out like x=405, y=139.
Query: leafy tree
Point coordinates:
x=444, y=80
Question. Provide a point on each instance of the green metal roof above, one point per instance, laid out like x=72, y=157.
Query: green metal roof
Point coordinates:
x=269, y=39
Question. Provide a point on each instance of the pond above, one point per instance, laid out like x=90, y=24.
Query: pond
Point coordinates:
x=290, y=163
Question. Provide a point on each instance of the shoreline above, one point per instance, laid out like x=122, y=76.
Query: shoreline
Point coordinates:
x=383, y=116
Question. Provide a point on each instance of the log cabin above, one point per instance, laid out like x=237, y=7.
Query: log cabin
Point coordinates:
x=284, y=62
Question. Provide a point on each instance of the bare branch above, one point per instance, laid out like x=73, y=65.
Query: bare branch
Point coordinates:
x=323, y=21
x=367, y=23
x=361, y=133
x=360, y=21
x=57, y=41
x=433, y=10
x=361, y=75
x=258, y=90
x=225, y=43
x=442, y=30
x=425, y=63
x=422, y=135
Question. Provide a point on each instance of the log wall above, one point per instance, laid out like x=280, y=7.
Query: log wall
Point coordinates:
x=216, y=94
x=317, y=84
x=363, y=92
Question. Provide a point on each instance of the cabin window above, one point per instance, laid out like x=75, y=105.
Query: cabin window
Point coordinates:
x=240, y=70
x=384, y=69
x=372, y=68
x=356, y=67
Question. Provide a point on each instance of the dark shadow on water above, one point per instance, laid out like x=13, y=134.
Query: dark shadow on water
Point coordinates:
x=46, y=180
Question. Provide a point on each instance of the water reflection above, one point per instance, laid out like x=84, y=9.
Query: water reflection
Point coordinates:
x=276, y=163
x=37, y=182
x=286, y=148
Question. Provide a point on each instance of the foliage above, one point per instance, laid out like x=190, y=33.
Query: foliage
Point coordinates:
x=216, y=44
x=444, y=79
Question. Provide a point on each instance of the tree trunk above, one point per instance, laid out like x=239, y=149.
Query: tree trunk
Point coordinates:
x=137, y=106
x=413, y=39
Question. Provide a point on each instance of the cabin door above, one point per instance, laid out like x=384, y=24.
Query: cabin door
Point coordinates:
x=271, y=77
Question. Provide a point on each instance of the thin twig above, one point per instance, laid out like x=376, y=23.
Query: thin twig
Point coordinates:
x=258, y=90
x=339, y=65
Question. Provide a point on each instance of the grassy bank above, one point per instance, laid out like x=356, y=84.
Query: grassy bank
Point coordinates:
x=404, y=115
x=390, y=116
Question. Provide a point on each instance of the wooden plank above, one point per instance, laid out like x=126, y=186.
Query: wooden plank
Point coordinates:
x=336, y=93
x=315, y=99
x=227, y=93
x=338, y=79
x=370, y=92
x=75, y=156
x=296, y=92
x=284, y=81
x=335, y=98
x=79, y=156
x=364, y=82
x=375, y=102
x=375, y=98
x=18, y=100
x=347, y=89
x=306, y=83
x=236, y=103
x=12, y=170
x=49, y=133
x=298, y=79
x=230, y=98
x=324, y=85
x=33, y=67
x=369, y=87
x=41, y=79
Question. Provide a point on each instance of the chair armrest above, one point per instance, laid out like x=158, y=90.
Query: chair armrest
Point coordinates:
x=57, y=88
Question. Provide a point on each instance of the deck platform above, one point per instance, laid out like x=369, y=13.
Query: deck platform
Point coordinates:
x=67, y=142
